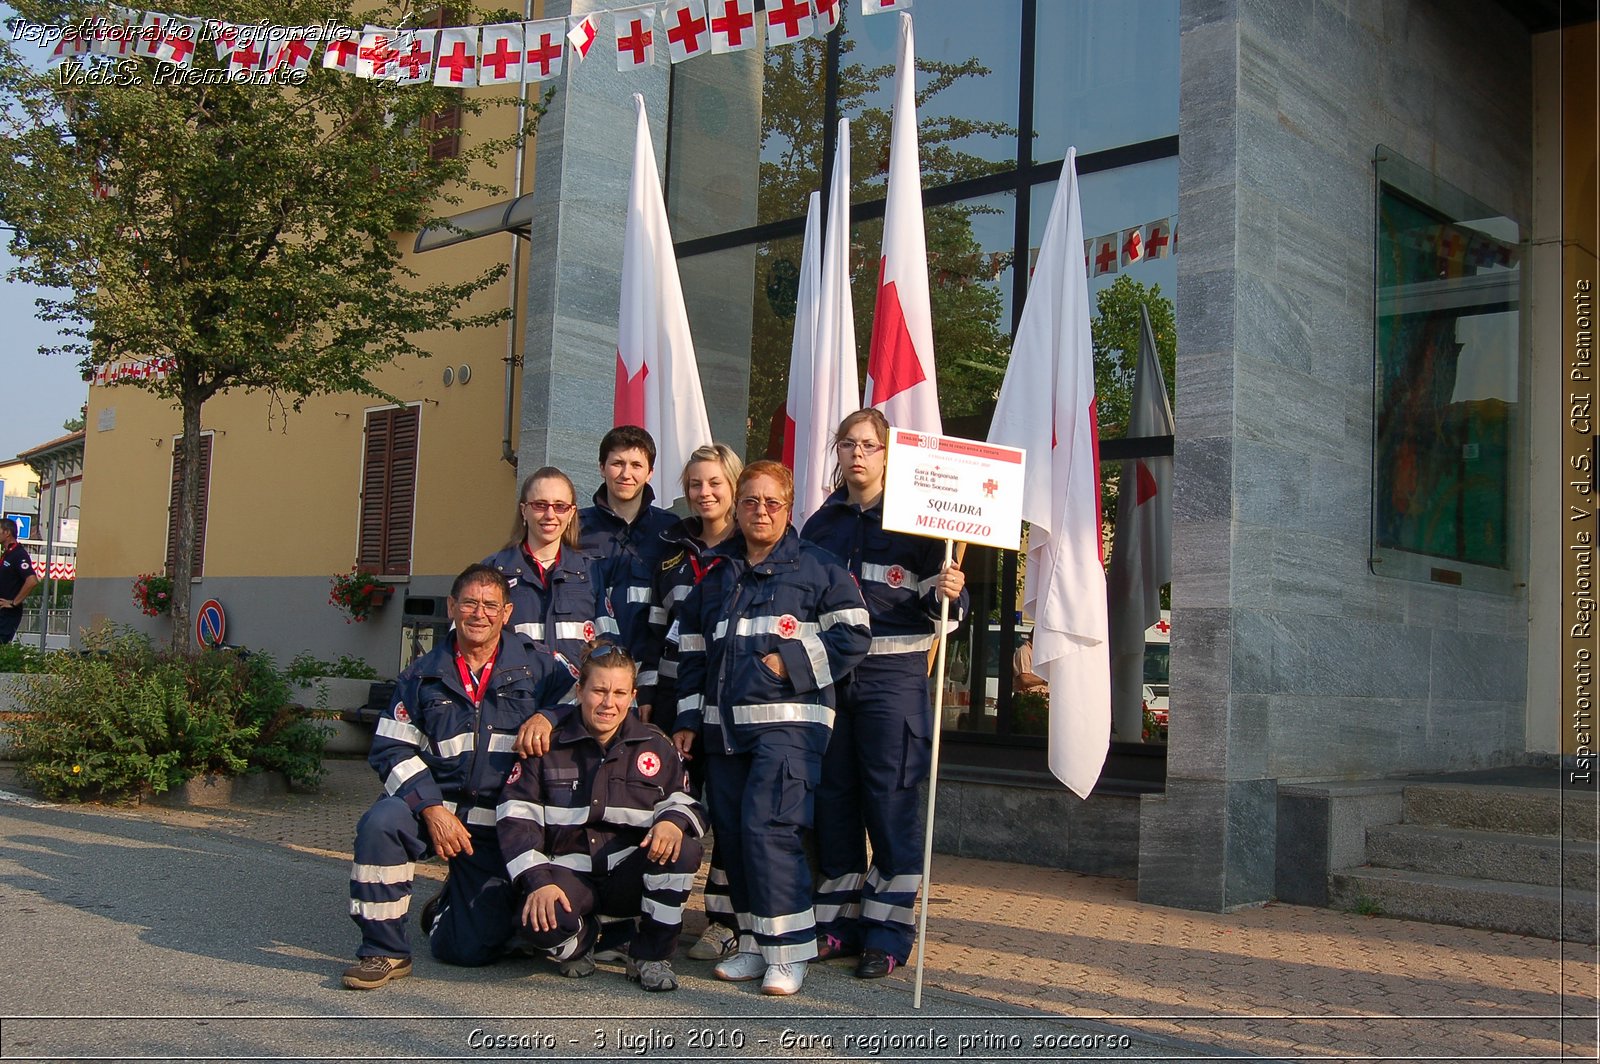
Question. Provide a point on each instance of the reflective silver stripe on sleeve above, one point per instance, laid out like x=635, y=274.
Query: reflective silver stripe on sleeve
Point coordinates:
x=524, y=861
x=481, y=816
x=675, y=594
x=574, y=629
x=669, y=669
x=879, y=574
x=638, y=594
x=817, y=654
x=710, y=715
x=720, y=630
x=620, y=856
x=782, y=925
x=678, y=802
x=900, y=644
x=657, y=615
x=889, y=914
x=559, y=816
x=399, y=731
x=646, y=677
x=779, y=712
x=683, y=881
x=380, y=910
x=517, y=810
x=381, y=873
x=669, y=915
x=606, y=625
x=688, y=703
x=633, y=818
x=502, y=744
x=692, y=644
x=769, y=626
x=903, y=884
x=856, y=616
x=578, y=862
x=533, y=631
x=457, y=744
x=402, y=772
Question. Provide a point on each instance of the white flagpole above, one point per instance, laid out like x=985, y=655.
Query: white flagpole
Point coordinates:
x=933, y=785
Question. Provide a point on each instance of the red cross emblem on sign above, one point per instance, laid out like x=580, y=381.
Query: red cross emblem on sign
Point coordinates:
x=990, y=486
x=895, y=576
x=787, y=626
x=649, y=764
x=588, y=630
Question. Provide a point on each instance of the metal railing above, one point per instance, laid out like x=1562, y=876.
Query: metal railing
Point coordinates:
x=58, y=622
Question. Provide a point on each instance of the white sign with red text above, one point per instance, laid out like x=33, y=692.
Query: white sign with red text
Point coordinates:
x=945, y=487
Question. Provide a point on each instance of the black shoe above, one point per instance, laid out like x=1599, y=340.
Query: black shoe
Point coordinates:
x=369, y=973
x=875, y=964
x=430, y=913
x=829, y=947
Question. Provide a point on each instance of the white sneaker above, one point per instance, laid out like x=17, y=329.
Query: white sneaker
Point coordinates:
x=715, y=942
x=784, y=979
x=740, y=968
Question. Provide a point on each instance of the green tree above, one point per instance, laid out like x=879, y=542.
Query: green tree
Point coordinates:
x=1115, y=336
x=238, y=236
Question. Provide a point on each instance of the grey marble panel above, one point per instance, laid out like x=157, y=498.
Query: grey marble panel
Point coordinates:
x=1490, y=668
x=1300, y=173
x=1293, y=409
x=1252, y=835
x=1208, y=213
x=1315, y=575
x=1270, y=484
x=1321, y=737
x=1301, y=875
x=1045, y=826
x=1248, y=732
x=1340, y=500
x=1286, y=24
x=1205, y=380
x=1200, y=564
x=1206, y=322
x=1251, y=567
x=1197, y=746
x=1273, y=323
x=1432, y=605
x=1468, y=734
x=1202, y=480
x=1182, y=846
x=1333, y=657
x=1255, y=637
x=1197, y=15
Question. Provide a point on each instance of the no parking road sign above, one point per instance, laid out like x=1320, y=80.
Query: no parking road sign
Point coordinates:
x=210, y=624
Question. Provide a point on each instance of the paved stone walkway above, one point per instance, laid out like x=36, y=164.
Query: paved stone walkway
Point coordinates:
x=1276, y=981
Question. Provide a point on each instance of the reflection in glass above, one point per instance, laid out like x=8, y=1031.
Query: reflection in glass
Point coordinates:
x=1104, y=75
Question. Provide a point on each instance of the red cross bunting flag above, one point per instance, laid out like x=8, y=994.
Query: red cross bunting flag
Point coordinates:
x=456, y=65
x=733, y=25
x=582, y=35
x=246, y=50
x=688, y=31
x=1131, y=246
x=900, y=373
x=878, y=7
x=290, y=53
x=340, y=55
x=788, y=21
x=177, y=43
x=117, y=40
x=375, y=59
x=149, y=35
x=1158, y=239
x=829, y=14
x=500, y=54
x=71, y=44
x=543, y=47
x=1105, y=257
x=636, y=39
x=414, y=54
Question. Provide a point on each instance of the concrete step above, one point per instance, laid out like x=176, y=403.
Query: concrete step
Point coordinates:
x=1492, y=855
x=1549, y=811
x=1518, y=908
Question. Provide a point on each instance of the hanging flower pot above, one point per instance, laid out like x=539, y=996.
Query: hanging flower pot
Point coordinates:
x=358, y=594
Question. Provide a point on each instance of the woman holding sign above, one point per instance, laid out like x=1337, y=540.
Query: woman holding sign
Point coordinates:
x=882, y=741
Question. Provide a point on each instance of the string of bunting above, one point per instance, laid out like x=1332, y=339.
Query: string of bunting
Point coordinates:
x=454, y=56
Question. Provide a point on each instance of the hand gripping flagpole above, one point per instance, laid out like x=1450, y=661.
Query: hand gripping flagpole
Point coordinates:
x=933, y=783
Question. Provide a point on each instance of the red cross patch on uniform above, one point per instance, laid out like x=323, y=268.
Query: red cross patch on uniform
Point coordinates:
x=400, y=713
x=588, y=630
x=895, y=576
x=515, y=774
x=787, y=626
x=648, y=763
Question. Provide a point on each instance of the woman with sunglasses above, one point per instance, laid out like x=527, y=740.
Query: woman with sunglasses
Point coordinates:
x=883, y=737
x=555, y=598
x=708, y=483
x=761, y=639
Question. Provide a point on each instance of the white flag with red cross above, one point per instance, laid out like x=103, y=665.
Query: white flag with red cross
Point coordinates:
x=1141, y=552
x=117, y=36
x=375, y=59
x=1158, y=239
x=802, y=347
x=293, y=52
x=500, y=54
x=878, y=7
x=582, y=35
x=1105, y=256
x=456, y=65
x=829, y=14
x=636, y=37
x=657, y=379
x=788, y=21
x=1046, y=407
x=1130, y=246
x=71, y=44
x=151, y=30
x=733, y=25
x=178, y=40
x=544, y=45
x=340, y=54
x=900, y=367
x=415, y=51
x=688, y=30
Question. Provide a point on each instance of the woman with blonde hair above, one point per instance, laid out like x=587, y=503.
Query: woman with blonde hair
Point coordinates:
x=883, y=738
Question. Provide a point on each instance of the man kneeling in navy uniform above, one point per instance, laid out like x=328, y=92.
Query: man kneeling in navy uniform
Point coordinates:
x=603, y=824
x=443, y=750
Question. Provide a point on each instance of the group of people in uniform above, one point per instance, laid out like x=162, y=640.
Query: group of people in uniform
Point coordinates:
x=619, y=681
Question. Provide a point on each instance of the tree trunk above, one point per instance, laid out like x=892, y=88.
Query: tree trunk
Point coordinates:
x=188, y=510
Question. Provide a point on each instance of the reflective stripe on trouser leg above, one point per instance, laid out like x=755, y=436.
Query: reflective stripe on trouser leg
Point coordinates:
x=388, y=841
x=655, y=893
x=841, y=832
x=718, y=902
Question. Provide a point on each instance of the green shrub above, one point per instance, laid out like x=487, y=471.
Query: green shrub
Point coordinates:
x=306, y=666
x=22, y=657
x=1030, y=713
x=122, y=718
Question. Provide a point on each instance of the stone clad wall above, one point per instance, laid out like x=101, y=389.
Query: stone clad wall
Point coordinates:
x=1294, y=661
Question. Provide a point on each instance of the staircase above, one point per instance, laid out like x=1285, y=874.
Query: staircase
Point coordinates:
x=1502, y=858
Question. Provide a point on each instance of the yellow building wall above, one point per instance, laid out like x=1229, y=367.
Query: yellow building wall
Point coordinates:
x=17, y=476
x=285, y=485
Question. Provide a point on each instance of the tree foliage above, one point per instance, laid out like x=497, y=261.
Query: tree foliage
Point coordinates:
x=234, y=235
x=1115, y=336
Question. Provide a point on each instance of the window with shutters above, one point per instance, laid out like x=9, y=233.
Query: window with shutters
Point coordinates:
x=445, y=125
x=388, y=491
x=200, y=517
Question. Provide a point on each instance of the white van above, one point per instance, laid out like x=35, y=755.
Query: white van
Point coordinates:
x=1157, y=647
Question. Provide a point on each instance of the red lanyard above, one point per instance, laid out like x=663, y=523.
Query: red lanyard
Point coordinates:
x=701, y=570
x=475, y=688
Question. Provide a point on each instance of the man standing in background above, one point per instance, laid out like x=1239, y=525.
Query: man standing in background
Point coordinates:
x=17, y=579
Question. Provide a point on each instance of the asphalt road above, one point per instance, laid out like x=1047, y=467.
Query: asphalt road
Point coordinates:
x=126, y=938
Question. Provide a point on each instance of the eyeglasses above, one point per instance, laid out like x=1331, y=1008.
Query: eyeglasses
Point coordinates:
x=472, y=607
x=865, y=448
x=560, y=509
x=751, y=505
